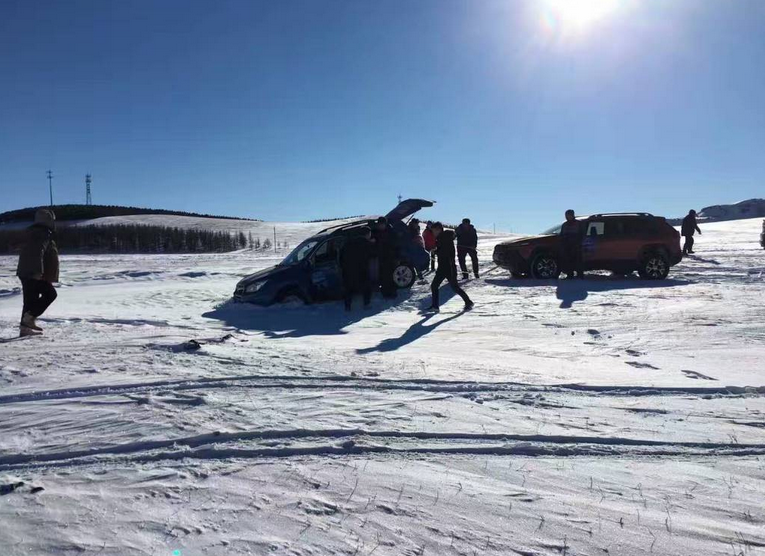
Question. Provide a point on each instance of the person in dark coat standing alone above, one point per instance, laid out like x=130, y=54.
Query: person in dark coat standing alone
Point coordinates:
x=571, y=235
x=447, y=268
x=385, y=250
x=688, y=228
x=354, y=262
x=38, y=270
x=467, y=244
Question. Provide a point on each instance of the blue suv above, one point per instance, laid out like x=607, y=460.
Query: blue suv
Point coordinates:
x=312, y=271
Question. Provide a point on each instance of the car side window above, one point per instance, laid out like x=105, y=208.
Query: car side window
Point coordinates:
x=616, y=228
x=595, y=228
x=329, y=251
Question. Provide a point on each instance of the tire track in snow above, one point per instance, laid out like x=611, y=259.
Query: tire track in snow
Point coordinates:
x=357, y=383
x=440, y=443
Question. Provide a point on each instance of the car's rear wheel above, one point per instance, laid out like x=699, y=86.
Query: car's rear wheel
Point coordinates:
x=404, y=276
x=545, y=266
x=655, y=266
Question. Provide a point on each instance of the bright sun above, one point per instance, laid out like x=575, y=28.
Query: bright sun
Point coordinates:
x=578, y=15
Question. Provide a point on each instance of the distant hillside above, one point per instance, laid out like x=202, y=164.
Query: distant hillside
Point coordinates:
x=751, y=208
x=90, y=212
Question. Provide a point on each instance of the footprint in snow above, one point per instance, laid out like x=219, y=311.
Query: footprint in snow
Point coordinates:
x=639, y=365
x=697, y=376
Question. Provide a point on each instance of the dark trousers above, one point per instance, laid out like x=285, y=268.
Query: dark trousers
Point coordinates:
x=387, y=286
x=38, y=295
x=462, y=253
x=355, y=285
x=571, y=257
x=449, y=273
x=688, y=247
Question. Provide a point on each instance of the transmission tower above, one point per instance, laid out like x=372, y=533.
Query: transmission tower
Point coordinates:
x=50, y=186
x=88, y=197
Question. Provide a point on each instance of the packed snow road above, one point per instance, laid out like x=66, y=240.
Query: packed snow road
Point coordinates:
x=608, y=416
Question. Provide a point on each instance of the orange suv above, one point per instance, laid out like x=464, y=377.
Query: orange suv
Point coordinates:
x=622, y=243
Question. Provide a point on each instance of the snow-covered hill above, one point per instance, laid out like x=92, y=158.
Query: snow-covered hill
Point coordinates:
x=603, y=416
x=292, y=232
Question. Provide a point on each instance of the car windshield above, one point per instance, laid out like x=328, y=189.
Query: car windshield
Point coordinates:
x=300, y=252
x=555, y=230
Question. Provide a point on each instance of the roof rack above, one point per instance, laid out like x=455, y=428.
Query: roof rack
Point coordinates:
x=621, y=214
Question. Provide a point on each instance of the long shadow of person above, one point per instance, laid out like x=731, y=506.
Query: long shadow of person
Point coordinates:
x=413, y=333
x=703, y=260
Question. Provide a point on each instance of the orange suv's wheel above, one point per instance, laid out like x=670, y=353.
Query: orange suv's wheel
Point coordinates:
x=544, y=266
x=654, y=267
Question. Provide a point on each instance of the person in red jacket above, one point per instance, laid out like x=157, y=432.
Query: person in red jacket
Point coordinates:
x=429, y=239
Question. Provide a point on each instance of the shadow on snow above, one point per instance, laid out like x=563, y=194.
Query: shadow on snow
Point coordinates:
x=290, y=321
x=572, y=290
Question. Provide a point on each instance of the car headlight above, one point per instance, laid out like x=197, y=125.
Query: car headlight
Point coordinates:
x=252, y=288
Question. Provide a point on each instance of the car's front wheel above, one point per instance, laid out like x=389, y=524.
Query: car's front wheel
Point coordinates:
x=292, y=297
x=404, y=276
x=655, y=266
x=545, y=266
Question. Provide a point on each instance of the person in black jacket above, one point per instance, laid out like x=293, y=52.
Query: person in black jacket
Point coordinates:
x=38, y=270
x=688, y=228
x=467, y=244
x=354, y=262
x=571, y=235
x=385, y=250
x=447, y=269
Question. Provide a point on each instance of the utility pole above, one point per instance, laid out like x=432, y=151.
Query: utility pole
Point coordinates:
x=88, y=197
x=400, y=198
x=274, y=239
x=50, y=186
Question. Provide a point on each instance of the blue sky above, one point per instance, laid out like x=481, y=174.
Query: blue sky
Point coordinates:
x=505, y=111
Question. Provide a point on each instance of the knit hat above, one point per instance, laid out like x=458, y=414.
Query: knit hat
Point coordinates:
x=45, y=217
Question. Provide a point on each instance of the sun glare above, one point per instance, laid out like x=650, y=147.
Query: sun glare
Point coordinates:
x=578, y=15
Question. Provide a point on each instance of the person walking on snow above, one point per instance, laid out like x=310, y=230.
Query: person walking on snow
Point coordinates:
x=571, y=235
x=38, y=270
x=467, y=244
x=447, y=268
x=354, y=262
x=689, y=227
x=429, y=241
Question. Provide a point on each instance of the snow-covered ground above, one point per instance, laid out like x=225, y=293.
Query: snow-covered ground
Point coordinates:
x=606, y=416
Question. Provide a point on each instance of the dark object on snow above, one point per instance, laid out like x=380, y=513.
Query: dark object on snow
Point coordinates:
x=192, y=345
x=354, y=262
x=35, y=490
x=10, y=487
x=687, y=229
x=762, y=235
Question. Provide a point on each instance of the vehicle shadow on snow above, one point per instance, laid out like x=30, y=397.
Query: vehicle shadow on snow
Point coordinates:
x=285, y=321
x=571, y=291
